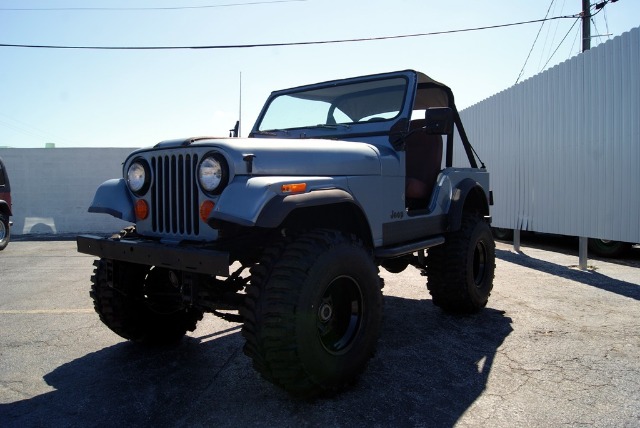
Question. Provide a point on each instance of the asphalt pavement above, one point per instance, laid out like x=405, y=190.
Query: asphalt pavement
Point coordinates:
x=555, y=346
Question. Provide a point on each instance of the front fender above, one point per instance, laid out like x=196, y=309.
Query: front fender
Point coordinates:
x=247, y=200
x=242, y=200
x=113, y=198
x=280, y=206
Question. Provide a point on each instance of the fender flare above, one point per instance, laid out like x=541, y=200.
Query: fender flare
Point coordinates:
x=279, y=207
x=113, y=198
x=5, y=208
x=465, y=189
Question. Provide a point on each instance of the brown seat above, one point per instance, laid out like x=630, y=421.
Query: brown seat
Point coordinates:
x=423, y=164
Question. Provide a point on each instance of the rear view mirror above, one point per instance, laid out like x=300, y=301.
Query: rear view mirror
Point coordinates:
x=439, y=120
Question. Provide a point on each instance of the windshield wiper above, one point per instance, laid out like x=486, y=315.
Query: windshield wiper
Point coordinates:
x=271, y=132
x=332, y=126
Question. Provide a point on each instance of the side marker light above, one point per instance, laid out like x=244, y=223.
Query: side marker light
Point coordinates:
x=294, y=188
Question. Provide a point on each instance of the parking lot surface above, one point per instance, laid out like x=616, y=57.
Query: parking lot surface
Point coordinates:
x=555, y=346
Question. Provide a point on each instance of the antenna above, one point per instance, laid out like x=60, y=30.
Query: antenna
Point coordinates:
x=240, y=108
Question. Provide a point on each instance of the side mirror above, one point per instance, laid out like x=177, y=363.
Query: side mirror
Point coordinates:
x=439, y=120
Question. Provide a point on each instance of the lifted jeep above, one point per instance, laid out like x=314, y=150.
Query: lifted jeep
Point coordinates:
x=335, y=180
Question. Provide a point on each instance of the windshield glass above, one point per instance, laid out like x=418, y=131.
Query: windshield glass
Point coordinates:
x=336, y=105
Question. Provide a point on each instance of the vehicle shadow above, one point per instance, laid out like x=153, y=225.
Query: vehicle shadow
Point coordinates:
x=591, y=278
x=430, y=367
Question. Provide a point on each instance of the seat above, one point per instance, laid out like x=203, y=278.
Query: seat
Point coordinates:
x=423, y=163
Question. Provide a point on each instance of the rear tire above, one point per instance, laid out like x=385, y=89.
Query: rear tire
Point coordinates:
x=5, y=232
x=460, y=272
x=313, y=313
x=140, y=303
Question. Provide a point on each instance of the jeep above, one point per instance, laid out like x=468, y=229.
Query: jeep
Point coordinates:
x=5, y=207
x=285, y=231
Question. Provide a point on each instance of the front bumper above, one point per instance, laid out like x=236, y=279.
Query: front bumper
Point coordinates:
x=153, y=253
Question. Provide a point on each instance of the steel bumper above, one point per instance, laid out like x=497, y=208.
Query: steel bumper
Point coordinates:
x=151, y=253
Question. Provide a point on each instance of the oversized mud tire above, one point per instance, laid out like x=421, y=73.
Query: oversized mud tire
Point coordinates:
x=140, y=304
x=460, y=272
x=5, y=232
x=313, y=313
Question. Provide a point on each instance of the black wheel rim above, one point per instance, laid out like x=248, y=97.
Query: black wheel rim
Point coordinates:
x=3, y=231
x=479, y=263
x=339, y=315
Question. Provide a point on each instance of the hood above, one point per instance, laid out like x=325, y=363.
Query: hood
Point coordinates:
x=273, y=156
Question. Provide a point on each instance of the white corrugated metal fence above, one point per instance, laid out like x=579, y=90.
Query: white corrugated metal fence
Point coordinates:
x=563, y=147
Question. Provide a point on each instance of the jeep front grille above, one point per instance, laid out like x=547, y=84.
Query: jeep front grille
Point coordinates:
x=174, y=195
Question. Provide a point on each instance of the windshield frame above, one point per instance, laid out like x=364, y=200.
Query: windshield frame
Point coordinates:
x=337, y=94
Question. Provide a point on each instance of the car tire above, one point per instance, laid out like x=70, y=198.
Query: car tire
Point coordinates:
x=606, y=248
x=460, y=272
x=313, y=313
x=502, y=234
x=5, y=232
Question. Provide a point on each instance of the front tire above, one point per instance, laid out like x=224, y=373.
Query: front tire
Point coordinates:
x=5, y=232
x=140, y=303
x=460, y=272
x=313, y=313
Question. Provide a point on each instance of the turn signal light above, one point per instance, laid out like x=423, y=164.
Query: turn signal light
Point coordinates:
x=142, y=209
x=294, y=188
x=205, y=209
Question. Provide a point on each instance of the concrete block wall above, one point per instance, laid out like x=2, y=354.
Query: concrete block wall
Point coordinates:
x=52, y=188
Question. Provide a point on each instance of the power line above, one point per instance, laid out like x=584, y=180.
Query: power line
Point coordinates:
x=606, y=22
x=548, y=41
x=30, y=130
x=534, y=42
x=560, y=44
x=595, y=27
x=575, y=39
x=598, y=7
x=263, y=45
x=32, y=9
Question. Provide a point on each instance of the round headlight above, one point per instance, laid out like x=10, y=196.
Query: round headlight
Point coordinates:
x=212, y=174
x=137, y=177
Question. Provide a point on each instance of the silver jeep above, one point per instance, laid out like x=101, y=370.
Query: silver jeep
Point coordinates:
x=284, y=231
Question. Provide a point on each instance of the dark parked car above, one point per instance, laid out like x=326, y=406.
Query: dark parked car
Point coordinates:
x=5, y=207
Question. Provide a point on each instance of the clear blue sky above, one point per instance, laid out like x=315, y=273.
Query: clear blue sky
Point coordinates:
x=112, y=98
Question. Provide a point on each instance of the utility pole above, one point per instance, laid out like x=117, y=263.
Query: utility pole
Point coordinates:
x=586, y=45
x=586, y=25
